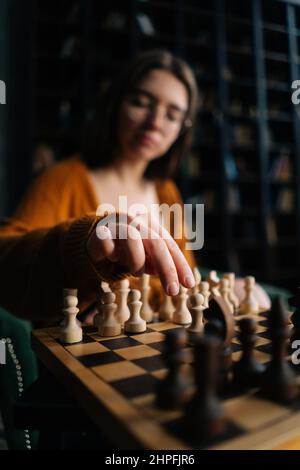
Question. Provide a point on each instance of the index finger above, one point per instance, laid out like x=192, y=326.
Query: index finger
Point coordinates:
x=184, y=271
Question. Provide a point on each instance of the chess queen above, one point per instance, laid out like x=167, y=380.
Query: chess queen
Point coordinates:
x=141, y=131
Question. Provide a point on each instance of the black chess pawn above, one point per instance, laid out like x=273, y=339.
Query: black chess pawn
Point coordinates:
x=247, y=372
x=174, y=390
x=295, y=319
x=214, y=327
x=204, y=417
x=279, y=381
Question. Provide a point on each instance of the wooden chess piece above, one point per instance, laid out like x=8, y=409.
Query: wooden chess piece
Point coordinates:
x=135, y=324
x=167, y=308
x=220, y=323
x=70, y=331
x=109, y=326
x=279, y=382
x=122, y=312
x=295, y=318
x=224, y=289
x=204, y=417
x=146, y=310
x=197, y=277
x=182, y=315
x=249, y=305
x=103, y=287
x=233, y=299
x=174, y=390
x=213, y=282
x=247, y=372
x=204, y=290
x=196, y=307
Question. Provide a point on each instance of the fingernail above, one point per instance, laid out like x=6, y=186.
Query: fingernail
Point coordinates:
x=102, y=232
x=189, y=281
x=173, y=288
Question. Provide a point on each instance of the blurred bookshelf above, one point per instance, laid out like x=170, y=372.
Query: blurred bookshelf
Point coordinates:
x=245, y=161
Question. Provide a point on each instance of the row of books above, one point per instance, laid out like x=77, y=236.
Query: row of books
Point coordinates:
x=280, y=169
x=282, y=200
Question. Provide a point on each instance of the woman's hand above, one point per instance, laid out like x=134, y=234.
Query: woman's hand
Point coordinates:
x=142, y=247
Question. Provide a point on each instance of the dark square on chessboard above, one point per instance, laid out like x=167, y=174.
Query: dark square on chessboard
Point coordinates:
x=136, y=386
x=85, y=340
x=266, y=348
x=175, y=427
x=159, y=346
x=148, y=330
x=89, y=329
x=236, y=347
x=264, y=334
x=151, y=363
x=92, y=360
x=120, y=343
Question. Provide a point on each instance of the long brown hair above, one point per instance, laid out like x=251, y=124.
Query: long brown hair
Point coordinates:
x=100, y=137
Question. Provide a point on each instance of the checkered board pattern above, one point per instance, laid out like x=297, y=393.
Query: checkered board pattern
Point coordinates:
x=121, y=373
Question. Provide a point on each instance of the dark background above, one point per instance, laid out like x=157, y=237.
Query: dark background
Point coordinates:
x=57, y=56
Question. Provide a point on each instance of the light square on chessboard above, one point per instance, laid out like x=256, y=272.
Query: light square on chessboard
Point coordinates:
x=260, y=341
x=160, y=374
x=162, y=326
x=137, y=352
x=260, y=356
x=148, y=338
x=54, y=331
x=82, y=349
x=251, y=412
x=118, y=371
x=260, y=329
x=292, y=444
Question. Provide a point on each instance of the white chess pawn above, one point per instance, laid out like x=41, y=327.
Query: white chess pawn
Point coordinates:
x=167, y=308
x=231, y=296
x=196, y=307
x=122, y=312
x=105, y=286
x=213, y=282
x=146, y=310
x=197, y=277
x=135, y=324
x=224, y=289
x=109, y=325
x=182, y=315
x=71, y=331
x=204, y=290
x=249, y=306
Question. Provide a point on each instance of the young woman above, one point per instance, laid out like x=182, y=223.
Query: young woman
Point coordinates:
x=142, y=130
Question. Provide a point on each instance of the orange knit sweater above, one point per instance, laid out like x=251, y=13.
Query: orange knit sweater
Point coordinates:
x=43, y=246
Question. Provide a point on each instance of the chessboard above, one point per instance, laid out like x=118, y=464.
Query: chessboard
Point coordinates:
x=115, y=381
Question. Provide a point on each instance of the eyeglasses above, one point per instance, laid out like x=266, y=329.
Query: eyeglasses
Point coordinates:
x=141, y=107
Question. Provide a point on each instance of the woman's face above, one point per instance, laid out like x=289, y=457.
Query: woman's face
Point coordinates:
x=152, y=115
